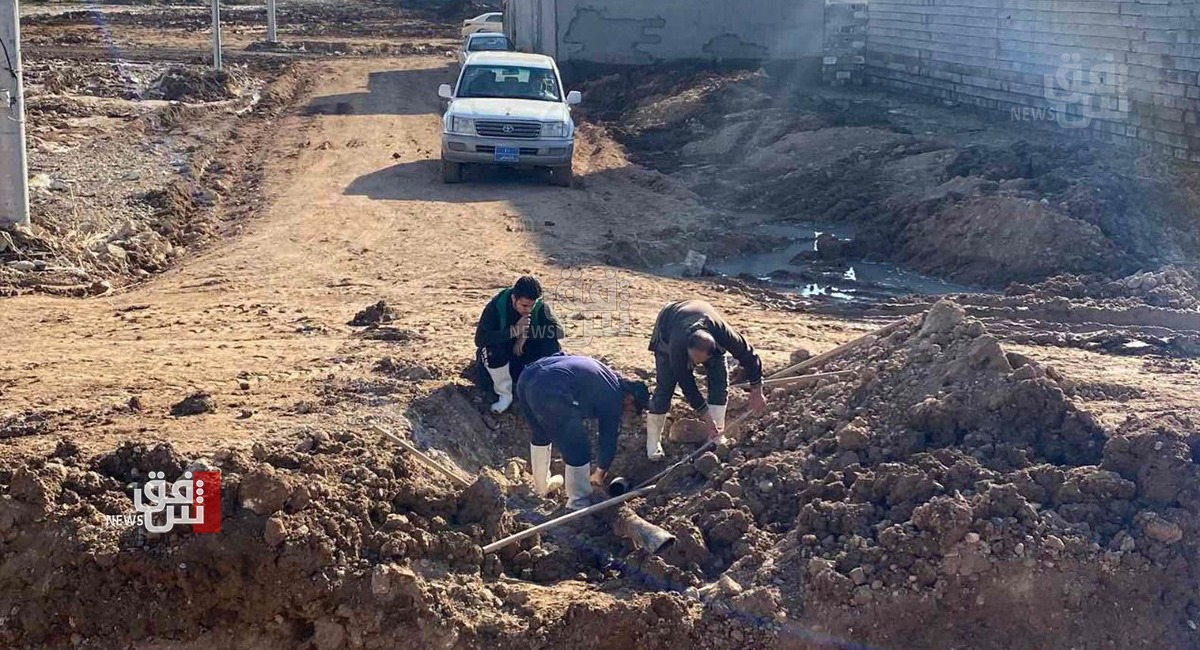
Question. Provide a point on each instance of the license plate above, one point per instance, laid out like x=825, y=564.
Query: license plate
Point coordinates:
x=508, y=154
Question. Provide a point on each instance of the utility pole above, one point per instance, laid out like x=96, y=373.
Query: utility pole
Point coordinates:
x=216, y=27
x=14, y=168
x=272, y=35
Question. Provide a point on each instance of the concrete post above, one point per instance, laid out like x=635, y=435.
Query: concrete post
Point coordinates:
x=272, y=34
x=14, y=170
x=216, y=30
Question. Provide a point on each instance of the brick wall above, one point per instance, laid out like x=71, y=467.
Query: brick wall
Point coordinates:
x=1119, y=70
x=845, y=42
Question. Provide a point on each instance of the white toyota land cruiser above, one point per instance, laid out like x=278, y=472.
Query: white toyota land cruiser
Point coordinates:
x=508, y=108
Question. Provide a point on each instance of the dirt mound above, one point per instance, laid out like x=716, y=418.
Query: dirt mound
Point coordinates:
x=376, y=314
x=189, y=85
x=307, y=519
x=1170, y=286
x=942, y=467
x=989, y=209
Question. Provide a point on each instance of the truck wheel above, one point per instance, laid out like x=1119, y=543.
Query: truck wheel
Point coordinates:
x=452, y=172
x=561, y=176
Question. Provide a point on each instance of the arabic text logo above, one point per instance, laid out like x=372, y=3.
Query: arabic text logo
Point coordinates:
x=1079, y=94
x=194, y=499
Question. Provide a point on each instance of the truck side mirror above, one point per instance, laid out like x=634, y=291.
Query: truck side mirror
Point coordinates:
x=574, y=97
x=445, y=92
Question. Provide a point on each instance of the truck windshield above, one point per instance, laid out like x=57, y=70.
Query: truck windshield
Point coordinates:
x=509, y=83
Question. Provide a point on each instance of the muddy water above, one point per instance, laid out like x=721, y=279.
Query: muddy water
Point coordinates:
x=844, y=279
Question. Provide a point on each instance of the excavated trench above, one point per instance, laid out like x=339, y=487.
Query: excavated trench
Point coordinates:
x=949, y=494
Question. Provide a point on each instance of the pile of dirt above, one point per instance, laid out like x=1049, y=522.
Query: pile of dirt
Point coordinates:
x=376, y=314
x=914, y=184
x=327, y=541
x=1170, y=286
x=946, y=473
x=185, y=84
x=339, y=519
x=370, y=19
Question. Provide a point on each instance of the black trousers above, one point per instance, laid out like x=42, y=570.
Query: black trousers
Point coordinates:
x=666, y=381
x=553, y=417
x=497, y=356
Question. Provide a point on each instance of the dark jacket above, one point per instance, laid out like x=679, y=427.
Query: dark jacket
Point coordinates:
x=582, y=386
x=499, y=315
x=671, y=330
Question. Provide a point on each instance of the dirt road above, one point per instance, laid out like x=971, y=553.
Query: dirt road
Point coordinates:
x=357, y=214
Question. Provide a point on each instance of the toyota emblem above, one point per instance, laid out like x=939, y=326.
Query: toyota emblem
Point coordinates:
x=508, y=128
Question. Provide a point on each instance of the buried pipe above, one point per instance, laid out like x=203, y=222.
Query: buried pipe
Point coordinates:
x=644, y=535
x=570, y=516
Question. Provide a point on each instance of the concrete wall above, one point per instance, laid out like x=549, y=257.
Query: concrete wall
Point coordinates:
x=1125, y=71
x=633, y=32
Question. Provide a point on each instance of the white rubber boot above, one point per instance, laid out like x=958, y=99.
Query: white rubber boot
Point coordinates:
x=502, y=383
x=579, y=487
x=717, y=411
x=539, y=465
x=655, y=423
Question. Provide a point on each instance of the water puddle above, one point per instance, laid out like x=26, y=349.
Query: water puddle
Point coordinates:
x=805, y=269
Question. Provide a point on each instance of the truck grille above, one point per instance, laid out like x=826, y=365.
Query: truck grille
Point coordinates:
x=487, y=148
x=520, y=130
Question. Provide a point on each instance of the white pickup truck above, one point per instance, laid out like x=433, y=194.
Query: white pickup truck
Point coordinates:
x=508, y=108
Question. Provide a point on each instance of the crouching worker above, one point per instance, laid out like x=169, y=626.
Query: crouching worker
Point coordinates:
x=515, y=329
x=556, y=394
x=687, y=334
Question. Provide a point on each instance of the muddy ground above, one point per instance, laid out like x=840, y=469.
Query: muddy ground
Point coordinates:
x=943, y=191
x=1013, y=469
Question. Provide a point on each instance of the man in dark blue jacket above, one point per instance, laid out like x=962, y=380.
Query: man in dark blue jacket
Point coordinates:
x=515, y=328
x=556, y=394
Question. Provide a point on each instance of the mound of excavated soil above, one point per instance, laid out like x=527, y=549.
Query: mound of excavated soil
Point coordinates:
x=989, y=209
x=948, y=489
x=1170, y=286
x=376, y=314
x=190, y=85
x=949, y=495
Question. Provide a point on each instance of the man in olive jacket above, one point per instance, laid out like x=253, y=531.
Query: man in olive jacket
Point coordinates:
x=515, y=329
x=687, y=334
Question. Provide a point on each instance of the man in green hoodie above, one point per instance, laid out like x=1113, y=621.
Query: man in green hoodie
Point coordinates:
x=515, y=329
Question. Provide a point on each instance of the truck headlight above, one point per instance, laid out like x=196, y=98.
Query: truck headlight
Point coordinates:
x=461, y=125
x=554, y=130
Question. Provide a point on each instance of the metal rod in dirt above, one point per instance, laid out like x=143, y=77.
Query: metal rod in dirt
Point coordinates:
x=839, y=350
x=14, y=166
x=272, y=36
x=216, y=36
x=569, y=517
x=767, y=383
x=420, y=456
x=708, y=444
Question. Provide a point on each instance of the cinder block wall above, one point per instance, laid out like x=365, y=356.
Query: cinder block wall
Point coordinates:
x=845, y=42
x=1123, y=71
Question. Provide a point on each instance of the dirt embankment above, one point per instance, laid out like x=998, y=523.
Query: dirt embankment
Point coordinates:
x=944, y=192
x=949, y=477
x=171, y=151
x=950, y=494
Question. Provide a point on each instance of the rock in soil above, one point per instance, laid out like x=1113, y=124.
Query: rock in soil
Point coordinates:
x=195, y=404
